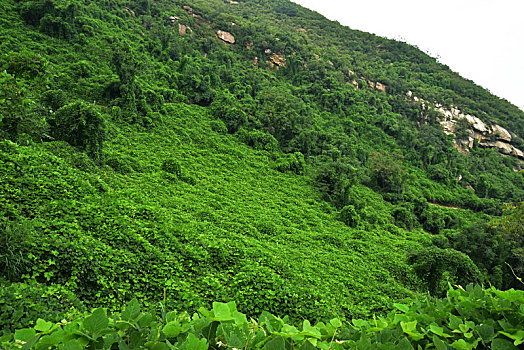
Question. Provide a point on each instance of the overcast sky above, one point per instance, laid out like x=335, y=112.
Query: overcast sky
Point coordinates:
x=482, y=40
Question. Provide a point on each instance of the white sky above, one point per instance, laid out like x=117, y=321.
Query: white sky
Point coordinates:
x=482, y=40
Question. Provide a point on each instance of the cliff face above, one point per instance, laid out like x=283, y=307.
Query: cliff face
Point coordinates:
x=492, y=136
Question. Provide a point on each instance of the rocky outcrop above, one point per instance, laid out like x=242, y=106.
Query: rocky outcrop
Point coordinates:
x=226, y=36
x=173, y=20
x=501, y=133
x=188, y=9
x=182, y=29
x=492, y=136
x=377, y=85
x=249, y=45
x=200, y=19
x=255, y=61
x=131, y=12
x=278, y=59
x=380, y=86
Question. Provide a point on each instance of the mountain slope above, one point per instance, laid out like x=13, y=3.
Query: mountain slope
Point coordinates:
x=145, y=155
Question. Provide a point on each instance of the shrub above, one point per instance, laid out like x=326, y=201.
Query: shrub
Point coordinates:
x=349, y=216
x=15, y=245
x=258, y=140
x=292, y=162
x=172, y=166
x=21, y=304
x=432, y=264
x=82, y=126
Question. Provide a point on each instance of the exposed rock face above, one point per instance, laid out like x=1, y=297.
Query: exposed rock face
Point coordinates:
x=225, y=36
x=278, y=59
x=504, y=147
x=492, y=136
x=182, y=29
x=249, y=45
x=501, y=133
x=377, y=85
x=233, y=2
x=188, y=9
x=131, y=12
x=354, y=83
x=200, y=19
x=173, y=20
x=380, y=86
x=255, y=61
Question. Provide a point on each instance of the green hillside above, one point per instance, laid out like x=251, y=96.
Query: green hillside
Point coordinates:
x=184, y=154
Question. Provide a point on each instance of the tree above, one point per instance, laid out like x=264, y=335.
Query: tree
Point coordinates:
x=82, y=126
x=433, y=264
x=126, y=68
x=387, y=171
x=512, y=226
x=22, y=77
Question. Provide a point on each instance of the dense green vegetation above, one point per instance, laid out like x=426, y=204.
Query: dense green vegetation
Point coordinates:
x=139, y=162
x=465, y=319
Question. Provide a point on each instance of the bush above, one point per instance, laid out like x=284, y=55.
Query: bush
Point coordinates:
x=172, y=166
x=82, y=126
x=292, y=162
x=54, y=99
x=349, y=216
x=258, y=140
x=21, y=304
x=433, y=264
x=16, y=239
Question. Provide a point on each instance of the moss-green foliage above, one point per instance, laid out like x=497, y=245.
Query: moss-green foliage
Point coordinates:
x=139, y=163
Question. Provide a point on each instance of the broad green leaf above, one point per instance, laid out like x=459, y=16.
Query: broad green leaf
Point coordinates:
x=518, y=337
x=309, y=346
x=335, y=322
x=486, y=332
x=308, y=330
x=364, y=343
x=96, y=322
x=439, y=344
x=277, y=343
x=290, y=330
x=454, y=322
x=172, y=329
x=404, y=344
x=193, y=343
x=25, y=334
x=437, y=330
x=221, y=312
x=401, y=307
x=360, y=323
x=43, y=326
x=131, y=311
x=461, y=344
x=55, y=337
x=502, y=344
x=71, y=345
x=409, y=327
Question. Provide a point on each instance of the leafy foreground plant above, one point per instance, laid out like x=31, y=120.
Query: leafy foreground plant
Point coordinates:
x=466, y=319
